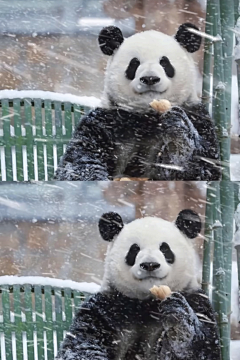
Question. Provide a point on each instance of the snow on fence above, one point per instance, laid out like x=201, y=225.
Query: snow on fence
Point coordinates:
x=89, y=101
x=90, y=288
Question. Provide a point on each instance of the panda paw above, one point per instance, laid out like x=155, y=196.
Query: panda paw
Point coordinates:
x=180, y=324
x=177, y=315
x=176, y=122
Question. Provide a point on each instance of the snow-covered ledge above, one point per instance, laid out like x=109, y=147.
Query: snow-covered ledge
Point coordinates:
x=90, y=101
x=44, y=281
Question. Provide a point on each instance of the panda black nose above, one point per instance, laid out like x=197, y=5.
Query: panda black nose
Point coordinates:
x=149, y=266
x=149, y=80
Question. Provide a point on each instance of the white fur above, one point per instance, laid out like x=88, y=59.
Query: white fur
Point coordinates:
x=149, y=47
x=149, y=233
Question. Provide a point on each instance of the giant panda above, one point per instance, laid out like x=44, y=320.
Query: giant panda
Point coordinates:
x=126, y=137
x=124, y=321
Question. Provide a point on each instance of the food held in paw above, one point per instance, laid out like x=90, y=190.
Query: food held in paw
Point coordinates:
x=161, y=292
x=160, y=105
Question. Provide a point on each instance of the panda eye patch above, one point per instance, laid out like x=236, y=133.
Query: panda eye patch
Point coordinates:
x=168, y=68
x=167, y=252
x=132, y=68
x=132, y=254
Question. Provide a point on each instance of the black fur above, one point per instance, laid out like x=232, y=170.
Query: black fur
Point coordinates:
x=110, y=225
x=168, y=68
x=189, y=223
x=132, y=254
x=111, y=326
x=110, y=38
x=132, y=68
x=181, y=144
x=167, y=252
x=190, y=41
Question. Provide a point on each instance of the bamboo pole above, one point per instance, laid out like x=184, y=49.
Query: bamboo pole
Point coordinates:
x=237, y=232
x=227, y=210
x=219, y=101
x=208, y=237
x=236, y=9
x=227, y=8
x=237, y=49
x=219, y=274
x=208, y=57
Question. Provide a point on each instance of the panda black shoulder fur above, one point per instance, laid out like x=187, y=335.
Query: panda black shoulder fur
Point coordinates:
x=124, y=321
x=126, y=137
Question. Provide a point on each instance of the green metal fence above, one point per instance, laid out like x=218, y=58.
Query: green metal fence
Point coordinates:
x=33, y=136
x=34, y=319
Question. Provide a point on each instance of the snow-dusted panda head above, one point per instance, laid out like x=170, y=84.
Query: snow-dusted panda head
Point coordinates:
x=149, y=65
x=149, y=251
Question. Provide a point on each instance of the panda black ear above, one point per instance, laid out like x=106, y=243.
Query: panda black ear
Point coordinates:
x=110, y=225
x=189, y=40
x=189, y=223
x=109, y=39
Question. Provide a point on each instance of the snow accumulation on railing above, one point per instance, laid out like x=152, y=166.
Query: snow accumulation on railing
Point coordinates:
x=90, y=288
x=90, y=101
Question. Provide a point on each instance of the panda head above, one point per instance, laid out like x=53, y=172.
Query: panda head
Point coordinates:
x=149, y=65
x=149, y=251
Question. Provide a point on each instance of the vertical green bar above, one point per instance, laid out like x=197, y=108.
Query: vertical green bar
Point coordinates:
x=39, y=138
x=39, y=321
x=18, y=138
x=1, y=140
x=48, y=326
x=227, y=209
x=78, y=112
x=59, y=128
x=29, y=320
x=85, y=111
x=68, y=120
x=219, y=278
x=68, y=308
x=7, y=325
x=207, y=245
x=49, y=138
x=219, y=99
x=18, y=321
x=227, y=24
x=79, y=298
x=6, y=118
x=208, y=52
x=59, y=319
x=29, y=138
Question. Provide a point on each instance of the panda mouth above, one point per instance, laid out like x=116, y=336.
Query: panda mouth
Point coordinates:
x=152, y=277
x=149, y=91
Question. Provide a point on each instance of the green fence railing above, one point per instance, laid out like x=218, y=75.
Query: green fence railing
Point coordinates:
x=34, y=319
x=33, y=136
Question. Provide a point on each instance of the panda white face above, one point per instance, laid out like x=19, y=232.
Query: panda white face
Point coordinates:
x=147, y=252
x=149, y=65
